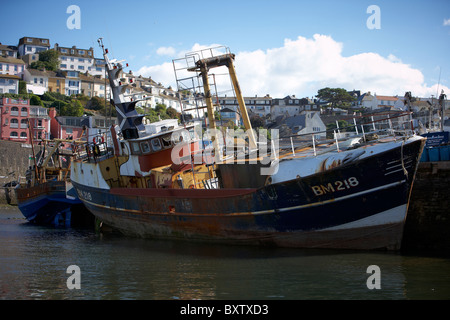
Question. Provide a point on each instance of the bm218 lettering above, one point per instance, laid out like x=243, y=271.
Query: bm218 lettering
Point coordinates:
x=339, y=185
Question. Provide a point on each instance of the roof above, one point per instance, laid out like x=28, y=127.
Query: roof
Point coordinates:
x=11, y=60
x=46, y=73
x=296, y=121
x=227, y=110
x=34, y=41
x=9, y=76
x=388, y=98
x=76, y=52
x=7, y=48
x=37, y=72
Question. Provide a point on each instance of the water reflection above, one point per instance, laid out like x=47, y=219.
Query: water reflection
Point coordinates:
x=34, y=260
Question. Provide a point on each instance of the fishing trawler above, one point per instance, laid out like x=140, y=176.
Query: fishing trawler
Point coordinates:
x=47, y=197
x=158, y=183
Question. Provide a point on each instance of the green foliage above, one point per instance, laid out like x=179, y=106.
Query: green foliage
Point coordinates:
x=161, y=112
x=47, y=59
x=74, y=109
x=36, y=101
x=343, y=127
x=22, y=87
x=172, y=113
x=336, y=96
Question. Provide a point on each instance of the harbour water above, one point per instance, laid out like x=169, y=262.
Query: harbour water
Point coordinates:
x=34, y=262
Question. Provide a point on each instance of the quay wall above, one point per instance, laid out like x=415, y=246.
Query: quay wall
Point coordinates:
x=428, y=221
x=14, y=161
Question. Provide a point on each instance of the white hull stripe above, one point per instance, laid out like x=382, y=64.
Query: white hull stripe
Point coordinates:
x=394, y=215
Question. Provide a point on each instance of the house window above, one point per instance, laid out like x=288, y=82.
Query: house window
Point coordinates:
x=23, y=135
x=81, y=52
x=14, y=123
x=14, y=135
x=80, y=67
x=44, y=41
x=64, y=50
x=64, y=66
x=29, y=40
x=80, y=59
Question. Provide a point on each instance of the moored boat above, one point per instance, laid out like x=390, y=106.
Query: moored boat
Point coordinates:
x=159, y=185
x=47, y=197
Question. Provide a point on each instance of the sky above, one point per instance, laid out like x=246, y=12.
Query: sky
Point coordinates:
x=282, y=47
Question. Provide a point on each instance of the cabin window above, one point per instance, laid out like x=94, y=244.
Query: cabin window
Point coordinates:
x=156, y=145
x=177, y=137
x=192, y=133
x=186, y=136
x=166, y=143
x=135, y=147
x=145, y=147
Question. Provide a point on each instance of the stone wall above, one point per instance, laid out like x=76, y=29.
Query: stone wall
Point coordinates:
x=428, y=222
x=14, y=160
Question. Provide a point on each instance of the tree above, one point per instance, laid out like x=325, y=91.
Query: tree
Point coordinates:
x=22, y=87
x=172, y=113
x=257, y=121
x=74, y=109
x=336, y=96
x=48, y=59
x=36, y=101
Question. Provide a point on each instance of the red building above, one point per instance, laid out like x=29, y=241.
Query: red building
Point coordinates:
x=16, y=114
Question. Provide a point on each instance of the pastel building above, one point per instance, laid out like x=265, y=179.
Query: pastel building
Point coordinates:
x=12, y=66
x=19, y=120
x=86, y=127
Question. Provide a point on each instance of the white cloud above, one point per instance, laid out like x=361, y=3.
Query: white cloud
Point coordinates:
x=166, y=51
x=446, y=22
x=305, y=65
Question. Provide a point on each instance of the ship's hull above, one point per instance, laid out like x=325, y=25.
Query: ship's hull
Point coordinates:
x=359, y=205
x=51, y=203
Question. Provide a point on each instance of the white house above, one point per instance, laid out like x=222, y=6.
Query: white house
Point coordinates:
x=9, y=83
x=30, y=45
x=72, y=83
x=37, y=81
x=375, y=101
x=307, y=122
x=76, y=59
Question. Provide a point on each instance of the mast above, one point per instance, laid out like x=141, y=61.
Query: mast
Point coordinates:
x=442, y=104
x=203, y=65
x=130, y=121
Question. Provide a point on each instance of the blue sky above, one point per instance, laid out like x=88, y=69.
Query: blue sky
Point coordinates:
x=408, y=53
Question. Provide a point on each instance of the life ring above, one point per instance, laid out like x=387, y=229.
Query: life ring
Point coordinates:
x=99, y=139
